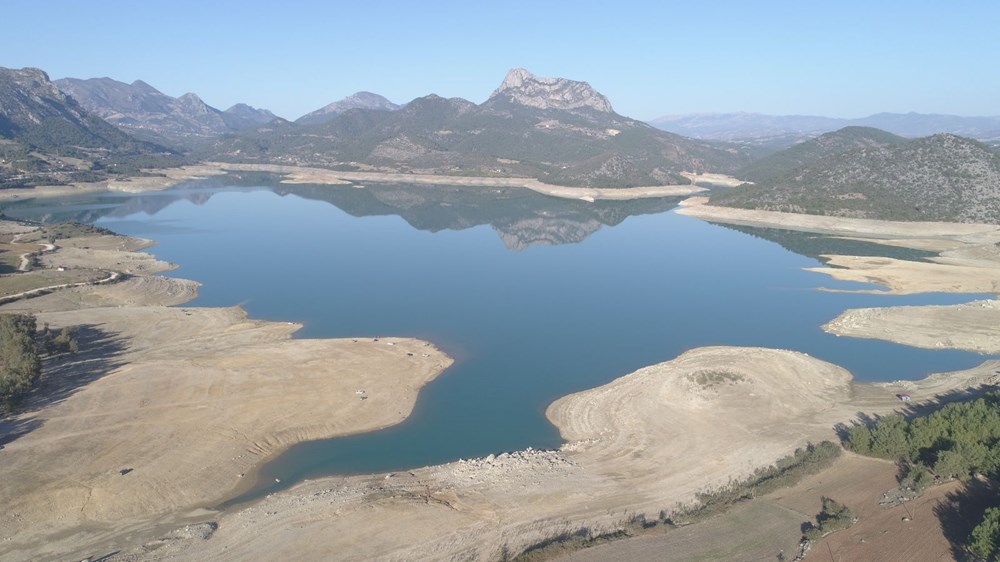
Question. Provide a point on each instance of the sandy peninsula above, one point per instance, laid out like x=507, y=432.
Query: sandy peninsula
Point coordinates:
x=166, y=409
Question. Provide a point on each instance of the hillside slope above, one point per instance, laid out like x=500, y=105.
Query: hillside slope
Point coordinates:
x=938, y=178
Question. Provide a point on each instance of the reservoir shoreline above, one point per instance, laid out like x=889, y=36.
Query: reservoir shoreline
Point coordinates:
x=478, y=506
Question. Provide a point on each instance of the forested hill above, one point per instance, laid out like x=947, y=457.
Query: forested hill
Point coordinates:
x=857, y=173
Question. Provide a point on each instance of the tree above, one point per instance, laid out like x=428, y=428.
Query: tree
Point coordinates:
x=985, y=537
x=20, y=366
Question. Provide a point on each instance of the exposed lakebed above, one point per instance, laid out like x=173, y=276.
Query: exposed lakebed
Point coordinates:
x=535, y=297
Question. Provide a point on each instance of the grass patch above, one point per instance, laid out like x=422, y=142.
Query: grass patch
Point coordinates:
x=787, y=471
x=10, y=255
x=61, y=231
x=14, y=283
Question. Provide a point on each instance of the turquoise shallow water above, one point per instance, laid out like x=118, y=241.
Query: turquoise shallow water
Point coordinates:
x=535, y=297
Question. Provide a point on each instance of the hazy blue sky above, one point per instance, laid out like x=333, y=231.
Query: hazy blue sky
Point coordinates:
x=843, y=58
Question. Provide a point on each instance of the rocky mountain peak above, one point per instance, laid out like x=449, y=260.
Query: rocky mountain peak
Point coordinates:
x=27, y=96
x=524, y=88
x=144, y=87
x=32, y=79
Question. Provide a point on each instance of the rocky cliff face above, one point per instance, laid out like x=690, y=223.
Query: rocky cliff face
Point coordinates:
x=360, y=100
x=27, y=97
x=524, y=88
x=140, y=109
x=46, y=137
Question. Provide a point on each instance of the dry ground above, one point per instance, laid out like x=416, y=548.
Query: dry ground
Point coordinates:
x=186, y=401
x=645, y=442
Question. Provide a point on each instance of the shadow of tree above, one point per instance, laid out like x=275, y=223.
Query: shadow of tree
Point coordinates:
x=961, y=510
x=12, y=429
x=63, y=375
x=919, y=409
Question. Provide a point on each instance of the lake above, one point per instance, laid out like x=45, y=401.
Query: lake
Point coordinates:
x=534, y=297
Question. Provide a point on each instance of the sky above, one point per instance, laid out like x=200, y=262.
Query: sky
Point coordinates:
x=839, y=59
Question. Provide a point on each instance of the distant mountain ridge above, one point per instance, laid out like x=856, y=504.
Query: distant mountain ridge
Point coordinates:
x=756, y=126
x=560, y=131
x=358, y=100
x=865, y=172
x=141, y=109
x=47, y=137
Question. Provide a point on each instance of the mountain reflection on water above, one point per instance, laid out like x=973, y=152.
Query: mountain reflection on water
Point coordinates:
x=521, y=217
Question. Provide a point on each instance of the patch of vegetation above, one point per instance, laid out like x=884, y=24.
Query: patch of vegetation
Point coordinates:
x=20, y=365
x=710, y=378
x=961, y=440
x=55, y=344
x=785, y=472
x=985, y=539
x=29, y=281
x=833, y=517
x=63, y=230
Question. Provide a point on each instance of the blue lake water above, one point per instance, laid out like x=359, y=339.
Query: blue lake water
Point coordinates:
x=534, y=297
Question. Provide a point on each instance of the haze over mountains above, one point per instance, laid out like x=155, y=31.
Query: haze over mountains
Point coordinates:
x=761, y=128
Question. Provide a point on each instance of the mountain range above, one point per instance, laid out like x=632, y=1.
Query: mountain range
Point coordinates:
x=557, y=130
x=787, y=129
x=146, y=112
